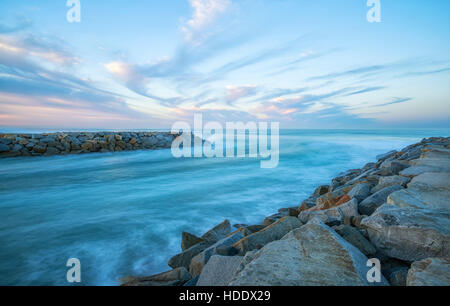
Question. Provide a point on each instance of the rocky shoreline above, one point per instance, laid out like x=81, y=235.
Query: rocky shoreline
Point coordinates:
x=49, y=144
x=396, y=210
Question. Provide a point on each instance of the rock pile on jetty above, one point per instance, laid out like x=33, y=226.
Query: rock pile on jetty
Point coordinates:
x=14, y=145
x=396, y=210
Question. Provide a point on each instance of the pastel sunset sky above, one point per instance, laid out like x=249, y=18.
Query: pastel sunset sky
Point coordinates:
x=146, y=64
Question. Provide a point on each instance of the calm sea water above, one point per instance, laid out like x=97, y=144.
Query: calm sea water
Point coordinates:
x=122, y=214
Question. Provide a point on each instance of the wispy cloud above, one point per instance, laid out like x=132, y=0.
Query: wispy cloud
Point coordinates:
x=234, y=93
x=204, y=14
x=365, y=90
x=30, y=87
x=41, y=48
x=394, y=101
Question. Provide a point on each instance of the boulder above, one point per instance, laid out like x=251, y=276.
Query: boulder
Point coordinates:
x=312, y=255
x=219, y=270
x=412, y=153
x=360, y=192
x=321, y=190
x=273, y=232
x=393, y=167
x=219, y=232
x=387, y=181
x=386, y=155
x=355, y=238
x=200, y=260
x=5, y=141
x=290, y=211
x=308, y=203
x=410, y=234
x=331, y=199
x=356, y=221
x=428, y=190
x=344, y=178
x=184, y=258
x=369, y=205
x=274, y=218
x=417, y=170
x=16, y=148
x=336, y=214
x=370, y=176
x=254, y=228
x=398, y=277
x=432, y=160
x=188, y=240
x=39, y=149
x=430, y=272
x=3, y=147
x=176, y=277
x=51, y=151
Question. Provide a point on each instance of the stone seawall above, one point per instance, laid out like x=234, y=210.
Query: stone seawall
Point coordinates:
x=49, y=144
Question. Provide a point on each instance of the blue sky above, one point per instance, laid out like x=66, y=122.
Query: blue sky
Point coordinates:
x=147, y=64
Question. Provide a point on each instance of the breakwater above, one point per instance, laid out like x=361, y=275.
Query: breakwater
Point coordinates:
x=384, y=224
x=49, y=144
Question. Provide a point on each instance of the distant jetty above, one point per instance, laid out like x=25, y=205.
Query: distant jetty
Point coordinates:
x=49, y=144
x=387, y=223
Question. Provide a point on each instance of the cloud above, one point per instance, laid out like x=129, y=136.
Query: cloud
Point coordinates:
x=40, y=48
x=234, y=93
x=30, y=87
x=129, y=75
x=352, y=72
x=365, y=90
x=205, y=13
x=394, y=101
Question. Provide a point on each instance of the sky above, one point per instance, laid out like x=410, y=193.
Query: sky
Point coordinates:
x=146, y=64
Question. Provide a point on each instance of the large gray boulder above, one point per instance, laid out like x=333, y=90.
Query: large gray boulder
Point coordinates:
x=335, y=214
x=393, y=167
x=428, y=190
x=433, y=159
x=219, y=270
x=430, y=272
x=387, y=181
x=410, y=234
x=273, y=232
x=360, y=192
x=312, y=255
x=218, y=232
x=370, y=204
x=200, y=260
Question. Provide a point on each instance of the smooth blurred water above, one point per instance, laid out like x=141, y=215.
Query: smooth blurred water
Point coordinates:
x=123, y=213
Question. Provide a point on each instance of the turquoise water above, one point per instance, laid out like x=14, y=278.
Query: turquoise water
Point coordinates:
x=123, y=213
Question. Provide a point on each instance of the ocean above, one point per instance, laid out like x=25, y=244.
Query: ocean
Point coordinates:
x=123, y=213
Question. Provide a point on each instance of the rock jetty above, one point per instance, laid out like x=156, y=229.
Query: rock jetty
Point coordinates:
x=396, y=210
x=15, y=145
